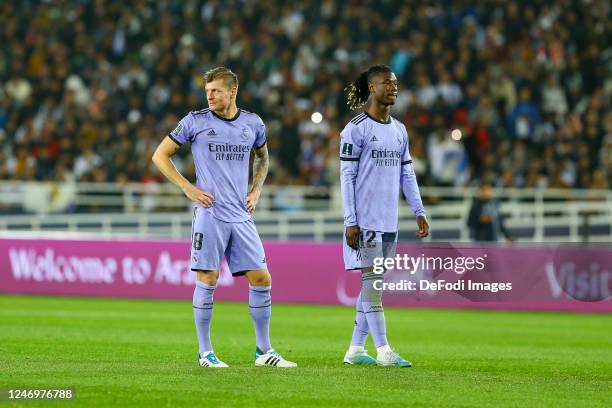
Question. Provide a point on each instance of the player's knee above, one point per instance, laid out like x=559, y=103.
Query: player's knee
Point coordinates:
x=267, y=281
x=260, y=279
x=371, y=285
x=208, y=277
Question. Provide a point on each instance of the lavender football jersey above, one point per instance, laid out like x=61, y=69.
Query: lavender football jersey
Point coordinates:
x=375, y=163
x=221, y=151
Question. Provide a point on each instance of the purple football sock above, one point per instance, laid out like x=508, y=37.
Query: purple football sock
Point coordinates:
x=260, y=305
x=360, y=330
x=202, y=313
x=371, y=300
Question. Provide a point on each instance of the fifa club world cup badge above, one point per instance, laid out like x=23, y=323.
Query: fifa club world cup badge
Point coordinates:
x=177, y=130
x=245, y=135
x=347, y=149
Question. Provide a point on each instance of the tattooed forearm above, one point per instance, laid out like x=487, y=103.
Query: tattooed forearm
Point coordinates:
x=260, y=167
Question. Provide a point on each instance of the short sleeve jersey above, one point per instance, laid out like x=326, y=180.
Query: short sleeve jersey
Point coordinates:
x=221, y=152
x=380, y=148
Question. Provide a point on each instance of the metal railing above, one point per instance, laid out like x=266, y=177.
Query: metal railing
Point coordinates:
x=291, y=212
x=48, y=197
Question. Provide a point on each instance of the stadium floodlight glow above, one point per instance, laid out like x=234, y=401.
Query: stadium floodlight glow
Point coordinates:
x=316, y=117
x=456, y=134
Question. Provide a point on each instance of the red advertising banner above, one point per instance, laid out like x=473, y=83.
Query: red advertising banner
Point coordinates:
x=446, y=275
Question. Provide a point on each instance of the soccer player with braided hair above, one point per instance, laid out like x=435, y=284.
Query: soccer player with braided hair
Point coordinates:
x=374, y=163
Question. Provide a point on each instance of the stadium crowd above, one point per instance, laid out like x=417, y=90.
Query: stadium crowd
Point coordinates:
x=88, y=88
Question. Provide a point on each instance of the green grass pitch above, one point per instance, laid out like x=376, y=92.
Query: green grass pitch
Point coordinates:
x=143, y=353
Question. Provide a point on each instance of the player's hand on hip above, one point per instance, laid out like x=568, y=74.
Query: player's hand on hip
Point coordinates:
x=252, y=199
x=423, y=226
x=352, y=236
x=199, y=196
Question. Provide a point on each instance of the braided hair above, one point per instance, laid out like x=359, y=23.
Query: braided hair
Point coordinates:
x=357, y=92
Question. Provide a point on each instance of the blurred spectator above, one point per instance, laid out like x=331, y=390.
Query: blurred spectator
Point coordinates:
x=485, y=221
x=524, y=117
x=446, y=157
x=92, y=86
x=553, y=97
x=86, y=162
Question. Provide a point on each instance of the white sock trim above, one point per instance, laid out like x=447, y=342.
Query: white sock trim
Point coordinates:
x=355, y=349
x=383, y=349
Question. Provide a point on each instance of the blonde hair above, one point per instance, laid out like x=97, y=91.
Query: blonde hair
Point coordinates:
x=221, y=72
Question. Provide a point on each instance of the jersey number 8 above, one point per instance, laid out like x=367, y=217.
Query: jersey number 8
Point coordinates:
x=197, y=240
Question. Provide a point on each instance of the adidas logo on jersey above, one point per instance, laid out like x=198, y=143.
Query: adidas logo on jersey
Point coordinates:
x=373, y=139
x=212, y=133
